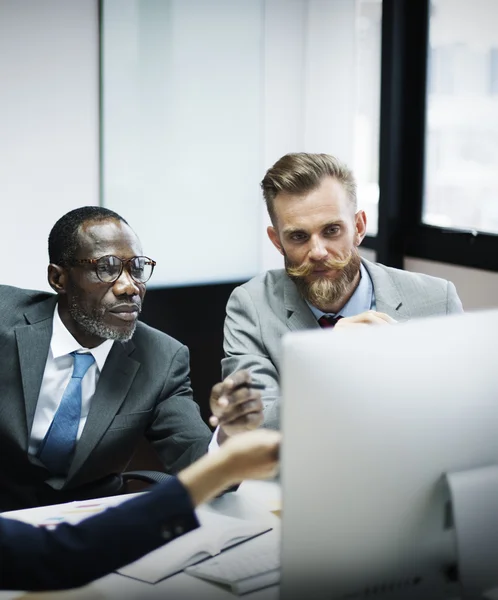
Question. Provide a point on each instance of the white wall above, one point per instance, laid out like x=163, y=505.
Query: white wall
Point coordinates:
x=49, y=126
x=49, y=140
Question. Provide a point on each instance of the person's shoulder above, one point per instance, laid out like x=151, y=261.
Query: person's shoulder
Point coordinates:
x=151, y=338
x=20, y=297
x=269, y=280
x=410, y=279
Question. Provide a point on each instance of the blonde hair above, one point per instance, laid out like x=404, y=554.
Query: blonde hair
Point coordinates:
x=301, y=172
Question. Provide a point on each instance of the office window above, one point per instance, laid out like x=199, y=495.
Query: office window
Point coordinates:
x=461, y=158
x=199, y=98
x=367, y=118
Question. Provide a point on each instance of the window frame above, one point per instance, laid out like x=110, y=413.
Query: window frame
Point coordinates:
x=401, y=231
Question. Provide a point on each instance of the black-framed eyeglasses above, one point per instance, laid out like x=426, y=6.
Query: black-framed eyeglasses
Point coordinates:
x=109, y=267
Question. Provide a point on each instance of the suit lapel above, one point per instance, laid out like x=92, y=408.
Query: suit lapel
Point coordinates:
x=387, y=296
x=33, y=342
x=299, y=315
x=114, y=383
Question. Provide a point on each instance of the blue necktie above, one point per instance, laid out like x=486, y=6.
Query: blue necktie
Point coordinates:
x=58, y=445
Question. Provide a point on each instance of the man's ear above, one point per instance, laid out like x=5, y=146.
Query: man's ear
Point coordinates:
x=361, y=227
x=275, y=240
x=57, y=277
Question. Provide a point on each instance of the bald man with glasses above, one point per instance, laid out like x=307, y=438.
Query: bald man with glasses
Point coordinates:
x=82, y=380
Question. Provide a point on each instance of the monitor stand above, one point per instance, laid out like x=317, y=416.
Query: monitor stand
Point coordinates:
x=474, y=504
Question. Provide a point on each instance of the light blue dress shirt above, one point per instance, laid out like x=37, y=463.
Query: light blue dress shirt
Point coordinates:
x=363, y=299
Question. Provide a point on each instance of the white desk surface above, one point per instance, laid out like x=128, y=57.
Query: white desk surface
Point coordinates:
x=253, y=500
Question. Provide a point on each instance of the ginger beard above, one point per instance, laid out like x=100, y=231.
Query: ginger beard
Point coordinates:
x=323, y=291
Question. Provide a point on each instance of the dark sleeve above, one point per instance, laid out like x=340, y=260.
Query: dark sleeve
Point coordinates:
x=178, y=433
x=35, y=558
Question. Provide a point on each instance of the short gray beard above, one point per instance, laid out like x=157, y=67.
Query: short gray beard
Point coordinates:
x=324, y=292
x=94, y=325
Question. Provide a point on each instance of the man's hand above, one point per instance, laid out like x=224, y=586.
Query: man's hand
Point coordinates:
x=250, y=455
x=236, y=407
x=370, y=317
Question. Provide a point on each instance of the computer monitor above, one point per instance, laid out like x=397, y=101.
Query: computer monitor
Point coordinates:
x=373, y=418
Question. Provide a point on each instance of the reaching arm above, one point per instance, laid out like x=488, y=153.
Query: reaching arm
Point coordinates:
x=34, y=558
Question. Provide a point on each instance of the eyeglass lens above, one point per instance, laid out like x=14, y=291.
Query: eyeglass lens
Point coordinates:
x=109, y=268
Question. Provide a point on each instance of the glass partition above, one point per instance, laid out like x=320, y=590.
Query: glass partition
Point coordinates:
x=200, y=98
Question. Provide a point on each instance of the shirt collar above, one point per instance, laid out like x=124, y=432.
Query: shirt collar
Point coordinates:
x=360, y=301
x=63, y=343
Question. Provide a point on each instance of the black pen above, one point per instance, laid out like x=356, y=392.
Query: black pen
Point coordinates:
x=249, y=384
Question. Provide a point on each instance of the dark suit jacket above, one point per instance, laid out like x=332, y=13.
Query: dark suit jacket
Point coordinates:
x=34, y=558
x=144, y=389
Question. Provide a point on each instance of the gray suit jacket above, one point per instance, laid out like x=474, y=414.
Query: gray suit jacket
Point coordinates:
x=262, y=310
x=144, y=389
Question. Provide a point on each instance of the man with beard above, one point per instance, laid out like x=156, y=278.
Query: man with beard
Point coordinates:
x=316, y=226
x=81, y=380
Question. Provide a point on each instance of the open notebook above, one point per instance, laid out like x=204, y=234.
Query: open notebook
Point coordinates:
x=251, y=566
x=217, y=533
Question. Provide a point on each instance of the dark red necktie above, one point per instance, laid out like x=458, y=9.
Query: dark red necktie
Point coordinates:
x=326, y=321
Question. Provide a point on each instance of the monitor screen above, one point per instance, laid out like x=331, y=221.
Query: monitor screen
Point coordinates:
x=373, y=418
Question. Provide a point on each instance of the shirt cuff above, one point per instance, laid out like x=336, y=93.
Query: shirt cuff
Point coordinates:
x=213, y=444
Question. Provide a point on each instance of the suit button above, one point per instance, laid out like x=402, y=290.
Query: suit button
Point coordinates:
x=166, y=534
x=179, y=530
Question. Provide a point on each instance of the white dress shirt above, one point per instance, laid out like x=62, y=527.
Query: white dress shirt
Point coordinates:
x=58, y=372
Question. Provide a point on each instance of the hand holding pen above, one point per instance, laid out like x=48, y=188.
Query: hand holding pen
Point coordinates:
x=236, y=405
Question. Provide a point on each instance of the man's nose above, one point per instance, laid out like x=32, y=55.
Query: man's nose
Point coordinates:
x=124, y=284
x=317, y=251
